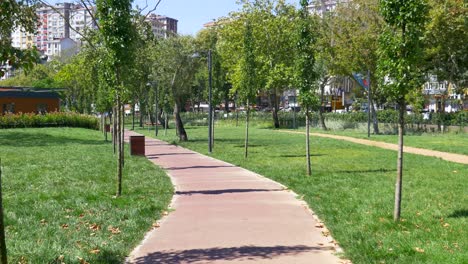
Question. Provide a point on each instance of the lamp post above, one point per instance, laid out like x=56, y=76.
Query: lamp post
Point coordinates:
x=210, y=106
x=155, y=85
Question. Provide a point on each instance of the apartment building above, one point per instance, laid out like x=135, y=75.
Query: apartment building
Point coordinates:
x=162, y=26
x=321, y=7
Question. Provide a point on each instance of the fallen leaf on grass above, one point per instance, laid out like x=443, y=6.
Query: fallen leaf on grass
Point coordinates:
x=95, y=227
x=165, y=213
x=82, y=261
x=64, y=226
x=156, y=225
x=113, y=230
x=95, y=251
x=420, y=250
x=43, y=222
x=446, y=225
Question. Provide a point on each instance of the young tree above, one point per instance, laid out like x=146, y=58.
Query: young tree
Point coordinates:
x=305, y=71
x=118, y=34
x=248, y=78
x=400, y=50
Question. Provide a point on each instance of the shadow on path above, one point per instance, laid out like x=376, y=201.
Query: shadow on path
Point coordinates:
x=199, y=167
x=217, y=192
x=226, y=254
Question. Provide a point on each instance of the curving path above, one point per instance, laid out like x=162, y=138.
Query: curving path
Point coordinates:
x=458, y=158
x=225, y=214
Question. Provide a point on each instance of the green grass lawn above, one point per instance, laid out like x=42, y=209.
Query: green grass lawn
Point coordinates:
x=58, y=188
x=448, y=142
x=352, y=190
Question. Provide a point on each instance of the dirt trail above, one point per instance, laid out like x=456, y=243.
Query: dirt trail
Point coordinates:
x=458, y=158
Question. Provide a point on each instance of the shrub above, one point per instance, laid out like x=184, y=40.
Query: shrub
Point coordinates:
x=55, y=119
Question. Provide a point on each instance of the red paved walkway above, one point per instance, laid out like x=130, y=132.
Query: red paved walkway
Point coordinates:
x=226, y=214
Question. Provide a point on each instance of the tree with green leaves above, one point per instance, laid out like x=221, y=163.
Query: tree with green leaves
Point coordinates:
x=446, y=44
x=16, y=15
x=356, y=29
x=247, y=83
x=399, y=67
x=305, y=71
x=176, y=68
x=118, y=35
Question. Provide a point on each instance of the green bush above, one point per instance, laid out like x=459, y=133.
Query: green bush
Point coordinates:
x=55, y=119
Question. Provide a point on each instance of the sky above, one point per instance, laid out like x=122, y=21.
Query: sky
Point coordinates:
x=192, y=14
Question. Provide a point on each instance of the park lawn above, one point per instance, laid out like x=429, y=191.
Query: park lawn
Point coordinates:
x=58, y=188
x=448, y=142
x=352, y=190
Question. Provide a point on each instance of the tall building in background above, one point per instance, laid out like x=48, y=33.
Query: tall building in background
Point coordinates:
x=56, y=30
x=162, y=26
x=60, y=28
x=321, y=7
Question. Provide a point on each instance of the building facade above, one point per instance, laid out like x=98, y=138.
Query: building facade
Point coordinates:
x=321, y=7
x=57, y=25
x=162, y=26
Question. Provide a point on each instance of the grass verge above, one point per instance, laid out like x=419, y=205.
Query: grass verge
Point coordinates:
x=58, y=187
x=448, y=142
x=352, y=190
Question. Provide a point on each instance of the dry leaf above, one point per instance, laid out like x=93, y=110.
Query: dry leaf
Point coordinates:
x=95, y=227
x=446, y=225
x=156, y=225
x=420, y=250
x=165, y=213
x=43, y=222
x=325, y=232
x=65, y=226
x=319, y=225
x=82, y=261
x=113, y=230
x=95, y=251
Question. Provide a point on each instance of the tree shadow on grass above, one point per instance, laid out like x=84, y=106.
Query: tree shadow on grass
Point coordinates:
x=366, y=171
x=459, y=214
x=27, y=139
x=299, y=155
x=225, y=254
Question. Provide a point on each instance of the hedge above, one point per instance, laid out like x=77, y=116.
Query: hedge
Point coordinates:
x=54, y=119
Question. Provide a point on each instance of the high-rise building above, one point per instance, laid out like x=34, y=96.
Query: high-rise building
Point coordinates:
x=162, y=26
x=59, y=26
x=321, y=7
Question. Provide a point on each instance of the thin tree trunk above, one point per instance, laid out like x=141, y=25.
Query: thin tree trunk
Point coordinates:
x=166, y=124
x=375, y=121
x=178, y=122
x=122, y=134
x=309, y=167
x=322, y=106
x=133, y=117
x=114, y=128
x=274, y=109
x=118, y=139
x=399, y=180
x=3, y=249
x=246, y=149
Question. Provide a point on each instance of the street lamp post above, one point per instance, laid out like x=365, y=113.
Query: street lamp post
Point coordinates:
x=210, y=106
x=156, y=108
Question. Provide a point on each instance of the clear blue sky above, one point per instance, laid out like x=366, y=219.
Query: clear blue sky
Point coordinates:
x=192, y=14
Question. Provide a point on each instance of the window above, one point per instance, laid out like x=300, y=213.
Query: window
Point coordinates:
x=9, y=108
x=41, y=108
